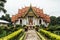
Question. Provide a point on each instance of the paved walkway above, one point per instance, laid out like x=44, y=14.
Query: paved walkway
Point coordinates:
x=31, y=35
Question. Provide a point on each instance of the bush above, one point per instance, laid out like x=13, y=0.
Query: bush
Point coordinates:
x=24, y=25
x=7, y=30
x=36, y=29
x=12, y=35
x=21, y=38
x=26, y=28
x=18, y=25
x=2, y=33
x=37, y=25
x=53, y=28
x=10, y=25
x=42, y=38
x=50, y=35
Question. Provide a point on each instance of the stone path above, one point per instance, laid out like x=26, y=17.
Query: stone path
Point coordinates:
x=31, y=35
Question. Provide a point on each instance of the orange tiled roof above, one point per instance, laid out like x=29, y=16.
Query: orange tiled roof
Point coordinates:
x=13, y=18
x=36, y=10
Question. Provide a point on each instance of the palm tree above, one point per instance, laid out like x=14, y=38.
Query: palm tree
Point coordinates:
x=2, y=2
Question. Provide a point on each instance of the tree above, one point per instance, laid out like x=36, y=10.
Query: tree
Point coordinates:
x=58, y=20
x=53, y=20
x=6, y=17
x=2, y=2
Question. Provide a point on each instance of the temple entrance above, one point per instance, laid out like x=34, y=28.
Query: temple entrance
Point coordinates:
x=30, y=20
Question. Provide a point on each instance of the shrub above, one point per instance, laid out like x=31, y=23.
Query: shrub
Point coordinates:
x=18, y=25
x=37, y=25
x=24, y=25
x=22, y=37
x=50, y=35
x=26, y=28
x=10, y=25
x=12, y=35
x=42, y=38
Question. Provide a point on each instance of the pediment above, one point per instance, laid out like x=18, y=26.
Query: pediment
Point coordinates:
x=30, y=12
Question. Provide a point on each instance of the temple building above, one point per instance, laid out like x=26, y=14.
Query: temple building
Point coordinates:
x=31, y=16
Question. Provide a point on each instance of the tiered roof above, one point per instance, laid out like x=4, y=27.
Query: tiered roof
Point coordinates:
x=37, y=11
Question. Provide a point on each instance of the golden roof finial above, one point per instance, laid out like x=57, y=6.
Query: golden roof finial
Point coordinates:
x=30, y=5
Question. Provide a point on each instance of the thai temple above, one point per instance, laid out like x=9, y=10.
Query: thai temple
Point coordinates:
x=31, y=16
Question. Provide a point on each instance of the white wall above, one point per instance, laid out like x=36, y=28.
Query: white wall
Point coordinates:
x=46, y=24
x=35, y=21
x=18, y=22
x=24, y=21
x=42, y=22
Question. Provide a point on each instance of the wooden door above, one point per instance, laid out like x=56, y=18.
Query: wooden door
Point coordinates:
x=30, y=21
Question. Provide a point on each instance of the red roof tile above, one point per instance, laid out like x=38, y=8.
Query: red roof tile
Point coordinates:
x=13, y=18
x=36, y=10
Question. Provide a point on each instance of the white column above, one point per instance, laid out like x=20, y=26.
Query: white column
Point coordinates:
x=42, y=22
x=27, y=21
x=38, y=22
x=24, y=21
x=33, y=21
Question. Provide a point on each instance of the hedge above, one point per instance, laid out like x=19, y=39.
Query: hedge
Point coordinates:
x=12, y=35
x=52, y=36
x=42, y=38
x=22, y=37
x=0, y=38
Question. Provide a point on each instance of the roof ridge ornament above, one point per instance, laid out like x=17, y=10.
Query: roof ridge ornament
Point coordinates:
x=30, y=5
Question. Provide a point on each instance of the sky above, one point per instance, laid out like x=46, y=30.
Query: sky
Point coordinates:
x=50, y=7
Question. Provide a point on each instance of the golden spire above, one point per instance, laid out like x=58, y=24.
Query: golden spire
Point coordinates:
x=30, y=5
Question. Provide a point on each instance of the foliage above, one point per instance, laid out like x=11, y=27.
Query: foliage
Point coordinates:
x=24, y=25
x=42, y=38
x=50, y=35
x=53, y=28
x=53, y=20
x=6, y=17
x=12, y=34
x=37, y=25
x=42, y=26
x=2, y=33
x=58, y=20
x=18, y=25
x=6, y=30
x=2, y=2
x=22, y=37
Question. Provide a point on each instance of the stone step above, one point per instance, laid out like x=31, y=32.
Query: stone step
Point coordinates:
x=31, y=35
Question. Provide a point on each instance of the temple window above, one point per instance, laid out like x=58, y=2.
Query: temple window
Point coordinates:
x=20, y=21
x=40, y=21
